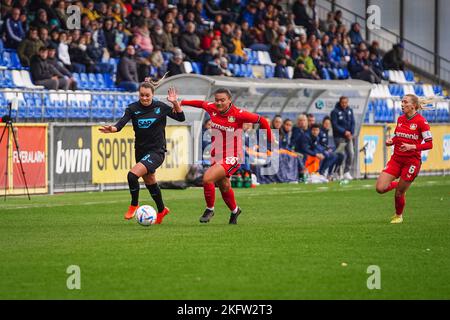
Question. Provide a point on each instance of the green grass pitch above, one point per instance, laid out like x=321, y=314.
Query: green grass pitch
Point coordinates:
x=292, y=242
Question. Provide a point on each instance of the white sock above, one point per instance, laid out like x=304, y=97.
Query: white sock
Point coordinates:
x=236, y=209
x=212, y=209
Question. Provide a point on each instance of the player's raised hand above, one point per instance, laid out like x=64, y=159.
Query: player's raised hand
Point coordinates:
x=108, y=129
x=172, y=96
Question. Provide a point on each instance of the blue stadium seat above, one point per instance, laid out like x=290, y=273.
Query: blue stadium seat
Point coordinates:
x=196, y=66
x=15, y=61
x=437, y=90
x=269, y=71
x=6, y=60
x=100, y=81
x=409, y=75
x=418, y=89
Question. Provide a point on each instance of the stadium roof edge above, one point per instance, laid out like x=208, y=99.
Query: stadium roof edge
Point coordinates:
x=220, y=81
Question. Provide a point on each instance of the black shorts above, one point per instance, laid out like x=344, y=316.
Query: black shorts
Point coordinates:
x=151, y=160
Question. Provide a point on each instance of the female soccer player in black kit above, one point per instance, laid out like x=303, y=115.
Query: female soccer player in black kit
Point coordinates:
x=149, y=123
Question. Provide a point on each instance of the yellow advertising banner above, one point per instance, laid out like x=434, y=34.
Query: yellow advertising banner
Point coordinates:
x=372, y=138
x=113, y=155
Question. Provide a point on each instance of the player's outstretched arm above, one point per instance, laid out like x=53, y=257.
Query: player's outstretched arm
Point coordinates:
x=194, y=103
x=108, y=129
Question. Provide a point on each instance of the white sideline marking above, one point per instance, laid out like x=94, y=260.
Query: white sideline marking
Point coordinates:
x=257, y=193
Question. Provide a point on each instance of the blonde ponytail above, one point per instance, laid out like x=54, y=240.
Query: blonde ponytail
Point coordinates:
x=421, y=103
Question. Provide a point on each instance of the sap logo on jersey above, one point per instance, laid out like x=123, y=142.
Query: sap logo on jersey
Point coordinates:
x=145, y=123
x=446, y=147
x=371, y=142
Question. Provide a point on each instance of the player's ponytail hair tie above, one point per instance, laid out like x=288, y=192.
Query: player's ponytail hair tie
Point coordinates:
x=422, y=103
x=150, y=84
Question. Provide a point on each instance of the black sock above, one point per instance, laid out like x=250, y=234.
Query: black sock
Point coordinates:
x=155, y=192
x=133, y=184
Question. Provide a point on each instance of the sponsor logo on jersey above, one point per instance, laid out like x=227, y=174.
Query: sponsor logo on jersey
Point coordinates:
x=231, y=119
x=137, y=112
x=214, y=114
x=145, y=123
x=407, y=135
x=158, y=110
x=413, y=126
x=220, y=127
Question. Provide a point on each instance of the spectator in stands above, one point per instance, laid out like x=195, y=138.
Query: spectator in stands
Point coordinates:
x=58, y=65
x=135, y=16
x=338, y=18
x=64, y=56
x=258, y=34
x=43, y=35
x=14, y=31
x=47, y=6
x=239, y=54
x=176, y=65
x=157, y=35
x=355, y=34
x=301, y=16
x=54, y=38
x=227, y=39
x=61, y=14
x=190, y=42
x=359, y=68
x=343, y=122
x=212, y=10
x=281, y=69
x=43, y=73
x=127, y=75
x=142, y=35
x=249, y=15
x=29, y=47
x=270, y=35
x=247, y=37
x=393, y=59
x=299, y=71
x=41, y=21
x=78, y=52
x=212, y=68
x=375, y=63
x=168, y=44
x=310, y=68
x=286, y=141
x=157, y=61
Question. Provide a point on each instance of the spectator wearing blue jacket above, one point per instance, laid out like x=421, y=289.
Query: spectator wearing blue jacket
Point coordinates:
x=14, y=30
x=355, y=34
x=343, y=122
x=281, y=69
x=286, y=139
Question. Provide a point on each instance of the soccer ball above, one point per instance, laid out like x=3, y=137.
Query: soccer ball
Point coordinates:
x=145, y=215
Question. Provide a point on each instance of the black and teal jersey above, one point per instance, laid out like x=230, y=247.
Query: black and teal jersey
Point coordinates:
x=149, y=124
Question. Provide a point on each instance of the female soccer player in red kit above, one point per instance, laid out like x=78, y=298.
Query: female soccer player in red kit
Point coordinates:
x=226, y=124
x=412, y=135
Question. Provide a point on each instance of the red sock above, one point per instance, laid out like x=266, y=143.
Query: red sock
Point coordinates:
x=210, y=194
x=391, y=186
x=229, y=199
x=399, y=204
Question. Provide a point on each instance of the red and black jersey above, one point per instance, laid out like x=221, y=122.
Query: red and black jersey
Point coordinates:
x=414, y=130
x=227, y=127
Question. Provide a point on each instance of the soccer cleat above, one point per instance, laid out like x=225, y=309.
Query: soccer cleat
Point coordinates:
x=348, y=176
x=234, y=216
x=160, y=215
x=131, y=211
x=397, y=219
x=207, y=215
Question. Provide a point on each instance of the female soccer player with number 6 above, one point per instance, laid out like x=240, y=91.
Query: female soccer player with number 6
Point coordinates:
x=412, y=135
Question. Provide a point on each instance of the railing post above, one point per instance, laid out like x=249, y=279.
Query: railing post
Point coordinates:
x=437, y=61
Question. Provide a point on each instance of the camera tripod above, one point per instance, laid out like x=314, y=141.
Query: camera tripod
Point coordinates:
x=9, y=127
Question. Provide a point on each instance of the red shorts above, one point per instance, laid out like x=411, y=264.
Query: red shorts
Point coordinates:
x=406, y=168
x=231, y=165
